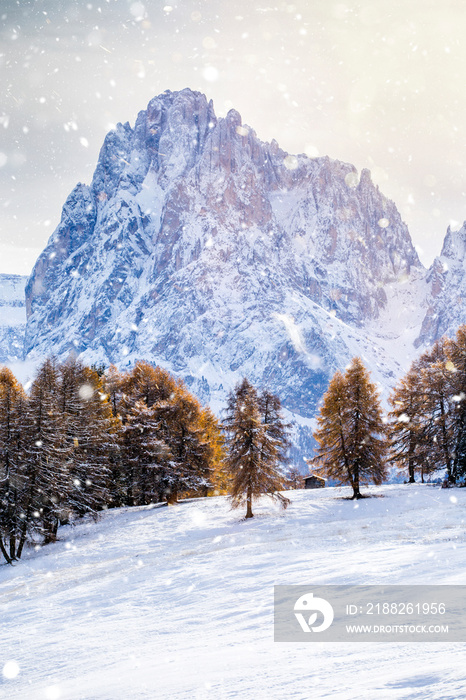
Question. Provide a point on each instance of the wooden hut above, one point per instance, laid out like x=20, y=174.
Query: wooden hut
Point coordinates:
x=314, y=482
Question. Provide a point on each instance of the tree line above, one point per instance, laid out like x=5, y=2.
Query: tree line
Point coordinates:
x=83, y=439
x=424, y=430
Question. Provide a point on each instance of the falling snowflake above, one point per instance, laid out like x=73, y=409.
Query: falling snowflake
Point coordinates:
x=86, y=392
x=10, y=670
x=291, y=162
x=53, y=692
x=210, y=73
x=403, y=418
x=242, y=131
x=351, y=179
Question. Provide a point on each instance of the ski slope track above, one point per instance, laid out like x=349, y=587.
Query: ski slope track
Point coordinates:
x=176, y=603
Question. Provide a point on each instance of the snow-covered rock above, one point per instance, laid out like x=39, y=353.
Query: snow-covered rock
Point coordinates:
x=201, y=248
x=447, y=289
x=12, y=317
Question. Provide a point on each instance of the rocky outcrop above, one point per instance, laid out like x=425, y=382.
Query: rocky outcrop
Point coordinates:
x=446, y=301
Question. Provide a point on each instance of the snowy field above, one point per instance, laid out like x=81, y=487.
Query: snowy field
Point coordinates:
x=177, y=602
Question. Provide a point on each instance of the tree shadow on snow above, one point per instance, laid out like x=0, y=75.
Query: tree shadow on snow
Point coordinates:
x=361, y=497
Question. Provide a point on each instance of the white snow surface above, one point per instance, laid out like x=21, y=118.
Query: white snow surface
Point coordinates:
x=177, y=603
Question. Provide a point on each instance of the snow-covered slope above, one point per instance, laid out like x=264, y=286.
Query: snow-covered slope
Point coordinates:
x=176, y=603
x=201, y=248
x=12, y=317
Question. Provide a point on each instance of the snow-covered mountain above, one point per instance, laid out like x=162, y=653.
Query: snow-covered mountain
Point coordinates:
x=216, y=255
x=12, y=317
x=447, y=289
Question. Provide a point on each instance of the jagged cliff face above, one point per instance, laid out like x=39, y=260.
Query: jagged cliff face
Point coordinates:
x=201, y=248
x=12, y=317
x=446, y=301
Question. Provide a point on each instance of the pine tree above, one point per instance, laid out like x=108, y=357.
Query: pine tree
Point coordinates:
x=437, y=408
x=275, y=444
x=428, y=416
x=406, y=423
x=180, y=428
x=149, y=384
x=150, y=387
x=456, y=368
x=46, y=455
x=12, y=476
x=214, y=453
x=351, y=432
x=294, y=478
x=255, y=447
x=146, y=458
x=186, y=439
x=89, y=432
x=113, y=383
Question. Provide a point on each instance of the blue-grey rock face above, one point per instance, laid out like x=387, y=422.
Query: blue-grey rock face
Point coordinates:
x=199, y=247
x=446, y=301
x=12, y=317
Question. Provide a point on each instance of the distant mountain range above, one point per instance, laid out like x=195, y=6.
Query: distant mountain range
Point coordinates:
x=201, y=248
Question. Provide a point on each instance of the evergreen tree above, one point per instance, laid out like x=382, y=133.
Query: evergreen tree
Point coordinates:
x=149, y=384
x=427, y=419
x=90, y=436
x=275, y=443
x=351, y=432
x=294, y=478
x=12, y=476
x=406, y=423
x=113, y=383
x=183, y=439
x=456, y=368
x=255, y=447
x=437, y=409
x=214, y=453
x=46, y=455
x=146, y=458
x=180, y=428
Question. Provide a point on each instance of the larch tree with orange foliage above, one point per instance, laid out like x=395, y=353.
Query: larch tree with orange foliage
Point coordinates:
x=256, y=446
x=351, y=432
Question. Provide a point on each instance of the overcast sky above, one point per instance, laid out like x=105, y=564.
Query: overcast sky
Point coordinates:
x=379, y=84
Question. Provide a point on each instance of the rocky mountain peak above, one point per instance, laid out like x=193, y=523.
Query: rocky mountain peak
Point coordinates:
x=447, y=293
x=454, y=244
